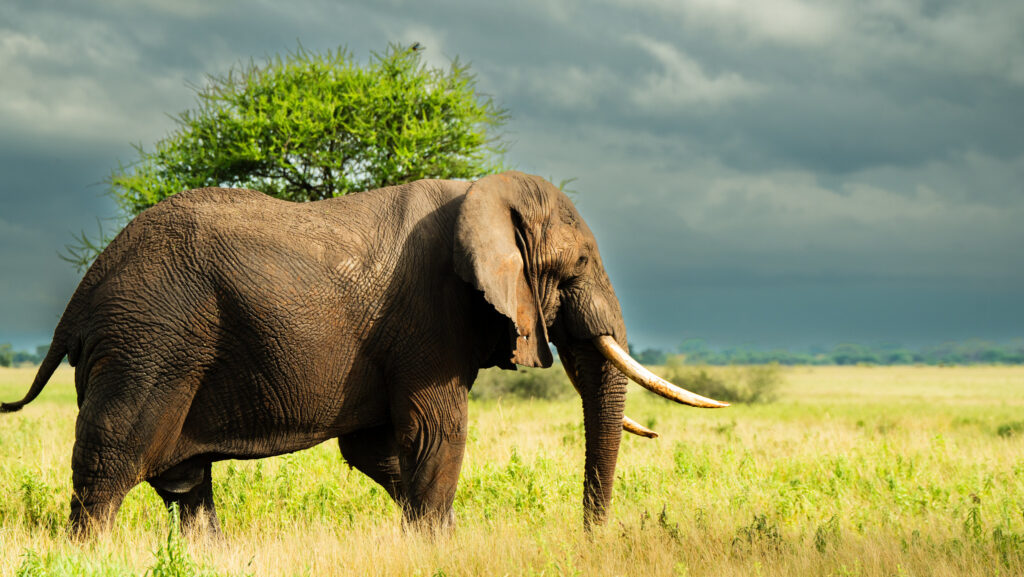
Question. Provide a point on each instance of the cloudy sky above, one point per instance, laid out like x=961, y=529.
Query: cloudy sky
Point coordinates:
x=778, y=173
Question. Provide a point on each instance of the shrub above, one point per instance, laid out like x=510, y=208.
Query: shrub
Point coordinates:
x=737, y=384
x=524, y=383
x=759, y=534
x=1010, y=429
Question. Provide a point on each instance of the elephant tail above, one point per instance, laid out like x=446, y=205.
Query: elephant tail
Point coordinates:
x=49, y=364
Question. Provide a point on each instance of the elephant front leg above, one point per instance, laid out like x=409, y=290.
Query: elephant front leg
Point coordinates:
x=432, y=441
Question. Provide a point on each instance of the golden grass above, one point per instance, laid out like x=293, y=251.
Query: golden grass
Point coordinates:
x=854, y=471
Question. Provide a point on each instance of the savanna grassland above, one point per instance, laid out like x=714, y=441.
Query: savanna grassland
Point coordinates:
x=851, y=471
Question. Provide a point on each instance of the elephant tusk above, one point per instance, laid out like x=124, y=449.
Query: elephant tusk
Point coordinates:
x=650, y=381
x=631, y=426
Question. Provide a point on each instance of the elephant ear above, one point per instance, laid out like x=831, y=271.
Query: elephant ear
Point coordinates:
x=490, y=255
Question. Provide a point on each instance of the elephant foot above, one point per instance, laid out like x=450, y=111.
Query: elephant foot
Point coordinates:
x=436, y=524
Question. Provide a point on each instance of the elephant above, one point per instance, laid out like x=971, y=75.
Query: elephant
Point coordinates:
x=227, y=324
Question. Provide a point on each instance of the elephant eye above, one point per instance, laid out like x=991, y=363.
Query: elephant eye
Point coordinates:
x=580, y=263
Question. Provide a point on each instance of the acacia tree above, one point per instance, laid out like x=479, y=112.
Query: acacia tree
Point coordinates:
x=311, y=125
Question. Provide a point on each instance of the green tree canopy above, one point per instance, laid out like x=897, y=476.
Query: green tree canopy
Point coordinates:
x=311, y=125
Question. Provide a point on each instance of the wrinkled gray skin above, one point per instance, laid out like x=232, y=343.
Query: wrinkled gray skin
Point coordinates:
x=226, y=324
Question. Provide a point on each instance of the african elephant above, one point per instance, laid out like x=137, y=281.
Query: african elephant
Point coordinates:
x=226, y=324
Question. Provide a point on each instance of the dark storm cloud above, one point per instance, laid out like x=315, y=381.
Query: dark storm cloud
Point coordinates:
x=775, y=172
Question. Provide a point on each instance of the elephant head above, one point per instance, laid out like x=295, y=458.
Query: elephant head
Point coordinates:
x=520, y=241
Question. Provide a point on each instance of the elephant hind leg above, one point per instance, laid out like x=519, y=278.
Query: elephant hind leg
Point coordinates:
x=132, y=405
x=190, y=486
x=100, y=481
x=374, y=452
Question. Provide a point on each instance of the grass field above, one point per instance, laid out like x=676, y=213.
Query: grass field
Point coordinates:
x=853, y=471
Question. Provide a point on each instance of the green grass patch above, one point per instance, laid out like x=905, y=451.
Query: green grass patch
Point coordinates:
x=853, y=471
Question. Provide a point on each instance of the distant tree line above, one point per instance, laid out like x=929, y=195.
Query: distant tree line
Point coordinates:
x=972, y=352
x=696, y=352
x=12, y=358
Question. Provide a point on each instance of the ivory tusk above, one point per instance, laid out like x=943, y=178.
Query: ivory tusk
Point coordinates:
x=650, y=381
x=631, y=426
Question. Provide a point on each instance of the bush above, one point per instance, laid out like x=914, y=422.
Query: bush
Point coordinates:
x=737, y=384
x=1007, y=430
x=524, y=383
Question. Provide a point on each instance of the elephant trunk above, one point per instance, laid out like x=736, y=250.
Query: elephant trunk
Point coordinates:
x=603, y=390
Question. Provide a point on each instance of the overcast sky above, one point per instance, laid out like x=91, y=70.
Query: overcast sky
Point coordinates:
x=771, y=173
